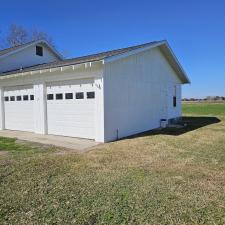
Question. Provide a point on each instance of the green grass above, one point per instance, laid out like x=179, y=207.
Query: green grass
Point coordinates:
x=160, y=177
x=21, y=149
x=204, y=108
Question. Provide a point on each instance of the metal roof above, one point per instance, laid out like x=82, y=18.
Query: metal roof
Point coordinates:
x=163, y=45
x=79, y=60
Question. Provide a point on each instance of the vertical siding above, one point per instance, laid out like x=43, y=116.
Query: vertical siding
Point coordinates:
x=2, y=109
x=99, y=109
x=138, y=93
x=40, y=108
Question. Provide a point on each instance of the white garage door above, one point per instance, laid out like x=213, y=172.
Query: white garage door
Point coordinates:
x=71, y=109
x=19, y=108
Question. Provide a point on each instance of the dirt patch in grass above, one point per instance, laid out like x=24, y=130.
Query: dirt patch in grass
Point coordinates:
x=33, y=144
x=3, y=153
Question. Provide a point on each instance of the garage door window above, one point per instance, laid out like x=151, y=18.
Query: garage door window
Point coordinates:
x=59, y=96
x=25, y=97
x=31, y=97
x=79, y=95
x=50, y=96
x=18, y=98
x=91, y=94
x=69, y=95
x=6, y=98
x=12, y=98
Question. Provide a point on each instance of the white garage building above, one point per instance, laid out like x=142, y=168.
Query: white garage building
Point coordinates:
x=104, y=96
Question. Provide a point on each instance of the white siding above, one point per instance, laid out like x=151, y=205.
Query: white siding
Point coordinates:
x=174, y=112
x=2, y=109
x=40, y=107
x=99, y=109
x=25, y=58
x=138, y=93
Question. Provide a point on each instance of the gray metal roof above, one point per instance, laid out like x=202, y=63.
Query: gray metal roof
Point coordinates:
x=79, y=60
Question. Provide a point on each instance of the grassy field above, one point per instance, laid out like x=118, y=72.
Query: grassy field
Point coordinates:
x=174, y=176
x=204, y=109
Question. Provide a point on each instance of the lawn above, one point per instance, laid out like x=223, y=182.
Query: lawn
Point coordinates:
x=204, y=108
x=174, y=176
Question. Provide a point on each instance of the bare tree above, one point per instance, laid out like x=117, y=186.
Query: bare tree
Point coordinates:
x=18, y=35
x=38, y=35
x=3, y=43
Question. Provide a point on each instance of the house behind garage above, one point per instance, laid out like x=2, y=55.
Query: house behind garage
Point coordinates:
x=104, y=96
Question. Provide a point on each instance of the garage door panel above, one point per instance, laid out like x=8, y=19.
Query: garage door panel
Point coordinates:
x=72, y=109
x=71, y=106
x=71, y=117
x=74, y=125
x=75, y=130
x=71, y=113
x=81, y=133
x=19, y=115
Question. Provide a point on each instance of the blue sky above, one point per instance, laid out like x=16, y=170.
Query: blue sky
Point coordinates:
x=194, y=29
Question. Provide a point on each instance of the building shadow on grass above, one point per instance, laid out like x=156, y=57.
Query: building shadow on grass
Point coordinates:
x=187, y=124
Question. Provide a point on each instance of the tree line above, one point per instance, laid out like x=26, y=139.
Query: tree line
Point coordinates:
x=208, y=98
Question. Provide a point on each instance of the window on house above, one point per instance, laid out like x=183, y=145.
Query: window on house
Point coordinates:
x=6, y=98
x=79, y=95
x=91, y=94
x=12, y=98
x=69, y=95
x=39, y=50
x=31, y=97
x=18, y=98
x=175, y=96
x=59, y=96
x=25, y=97
x=174, y=101
x=50, y=96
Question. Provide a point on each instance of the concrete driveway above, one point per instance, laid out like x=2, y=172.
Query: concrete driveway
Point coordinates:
x=81, y=145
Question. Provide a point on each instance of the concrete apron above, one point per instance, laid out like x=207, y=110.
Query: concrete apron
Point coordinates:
x=78, y=144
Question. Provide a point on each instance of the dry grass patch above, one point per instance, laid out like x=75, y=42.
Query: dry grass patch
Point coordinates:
x=160, y=177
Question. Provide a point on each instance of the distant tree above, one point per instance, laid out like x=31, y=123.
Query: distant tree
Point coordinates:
x=18, y=35
x=218, y=98
x=209, y=98
x=2, y=40
x=37, y=35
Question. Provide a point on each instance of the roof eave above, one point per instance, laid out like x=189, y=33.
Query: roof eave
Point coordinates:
x=179, y=70
x=61, y=68
x=167, y=51
x=59, y=55
x=132, y=52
